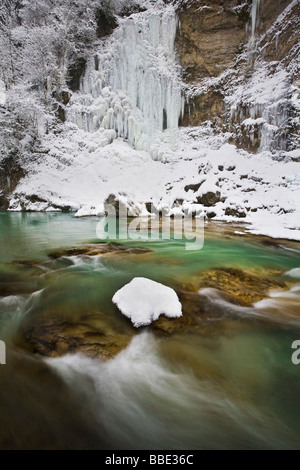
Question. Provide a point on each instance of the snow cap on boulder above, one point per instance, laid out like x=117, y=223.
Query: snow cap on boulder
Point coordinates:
x=144, y=300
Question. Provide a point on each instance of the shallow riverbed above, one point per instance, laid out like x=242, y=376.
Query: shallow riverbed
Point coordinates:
x=227, y=383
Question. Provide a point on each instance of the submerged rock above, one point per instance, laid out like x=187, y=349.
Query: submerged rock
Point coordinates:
x=21, y=281
x=54, y=337
x=242, y=287
x=234, y=285
x=192, y=308
x=17, y=288
x=30, y=267
x=96, y=249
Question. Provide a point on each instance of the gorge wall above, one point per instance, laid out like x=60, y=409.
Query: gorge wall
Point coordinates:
x=224, y=46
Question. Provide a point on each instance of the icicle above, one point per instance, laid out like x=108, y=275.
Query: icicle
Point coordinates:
x=254, y=16
x=254, y=24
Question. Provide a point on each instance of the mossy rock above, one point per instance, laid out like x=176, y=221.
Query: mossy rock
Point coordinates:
x=193, y=308
x=235, y=286
x=96, y=249
x=241, y=287
x=54, y=337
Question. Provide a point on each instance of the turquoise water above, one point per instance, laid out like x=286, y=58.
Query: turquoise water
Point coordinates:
x=227, y=383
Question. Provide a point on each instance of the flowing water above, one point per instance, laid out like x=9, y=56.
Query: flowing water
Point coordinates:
x=227, y=383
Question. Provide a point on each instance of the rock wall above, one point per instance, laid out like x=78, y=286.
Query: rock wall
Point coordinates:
x=213, y=43
x=210, y=36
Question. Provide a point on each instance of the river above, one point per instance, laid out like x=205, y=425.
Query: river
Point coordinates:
x=228, y=383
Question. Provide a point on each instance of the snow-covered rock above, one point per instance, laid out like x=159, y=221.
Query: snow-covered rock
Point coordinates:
x=144, y=300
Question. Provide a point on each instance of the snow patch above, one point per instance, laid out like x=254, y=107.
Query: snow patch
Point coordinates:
x=144, y=300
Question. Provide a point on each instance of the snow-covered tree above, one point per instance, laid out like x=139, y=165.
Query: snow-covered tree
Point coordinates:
x=43, y=45
x=8, y=50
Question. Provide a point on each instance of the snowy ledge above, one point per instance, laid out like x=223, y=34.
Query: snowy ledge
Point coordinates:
x=144, y=300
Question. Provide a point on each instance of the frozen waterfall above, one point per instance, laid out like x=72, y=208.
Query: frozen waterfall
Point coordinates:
x=132, y=85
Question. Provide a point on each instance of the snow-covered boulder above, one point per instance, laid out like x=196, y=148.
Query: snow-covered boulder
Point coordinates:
x=144, y=300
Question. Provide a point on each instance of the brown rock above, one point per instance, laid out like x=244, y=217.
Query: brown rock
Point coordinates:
x=242, y=288
x=288, y=35
x=209, y=37
x=207, y=106
x=209, y=199
x=53, y=337
x=96, y=249
x=192, y=308
x=17, y=288
x=235, y=213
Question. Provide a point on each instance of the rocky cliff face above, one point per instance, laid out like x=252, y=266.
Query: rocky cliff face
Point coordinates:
x=211, y=35
x=226, y=46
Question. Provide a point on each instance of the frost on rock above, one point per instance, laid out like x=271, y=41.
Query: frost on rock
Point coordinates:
x=263, y=106
x=144, y=300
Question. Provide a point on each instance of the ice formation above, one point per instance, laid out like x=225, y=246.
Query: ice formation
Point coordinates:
x=254, y=19
x=132, y=85
x=261, y=111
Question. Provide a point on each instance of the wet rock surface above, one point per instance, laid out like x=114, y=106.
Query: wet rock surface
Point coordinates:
x=53, y=337
x=243, y=288
x=18, y=279
x=233, y=285
x=192, y=307
x=96, y=249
